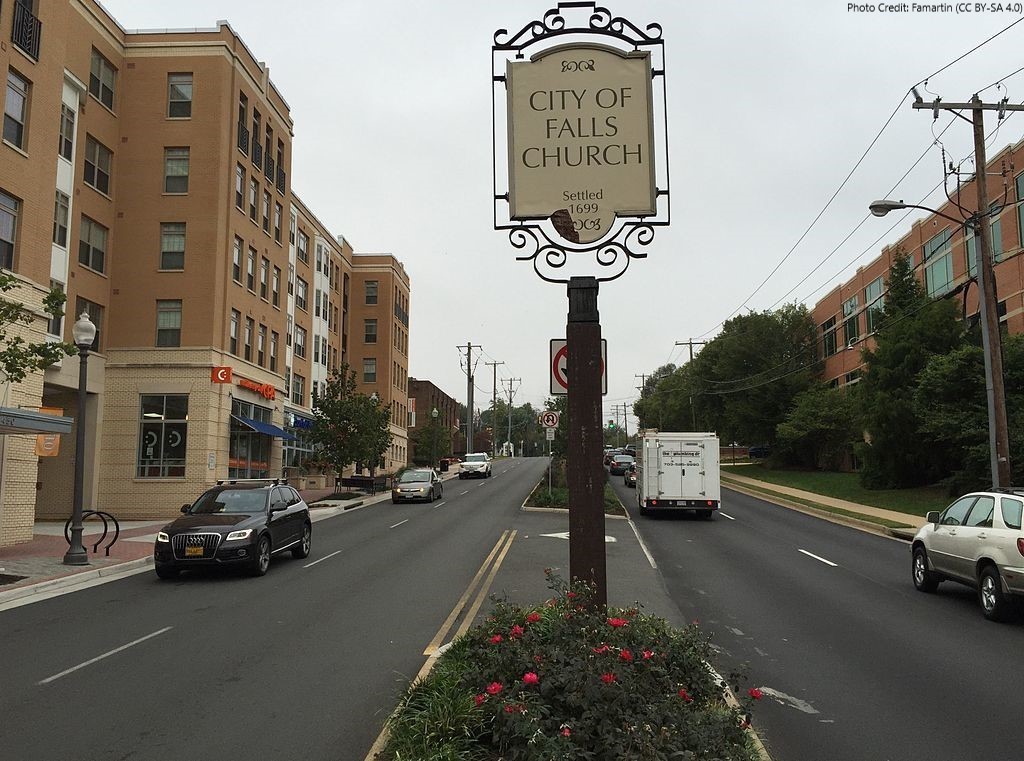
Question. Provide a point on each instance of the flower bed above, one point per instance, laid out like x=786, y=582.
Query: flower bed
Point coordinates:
x=567, y=680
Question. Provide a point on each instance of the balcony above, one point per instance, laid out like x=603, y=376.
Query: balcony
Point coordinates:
x=26, y=31
x=402, y=315
x=268, y=167
x=281, y=181
x=257, y=155
x=243, y=139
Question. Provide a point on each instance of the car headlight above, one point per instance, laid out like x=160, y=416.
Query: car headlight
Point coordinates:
x=161, y=536
x=244, y=534
x=423, y=489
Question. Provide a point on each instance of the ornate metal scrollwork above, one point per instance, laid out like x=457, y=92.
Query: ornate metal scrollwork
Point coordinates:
x=611, y=255
x=554, y=23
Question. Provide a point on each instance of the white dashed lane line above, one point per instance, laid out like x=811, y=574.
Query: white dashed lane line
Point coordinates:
x=399, y=523
x=726, y=515
x=325, y=557
x=439, y=504
x=819, y=559
x=107, y=654
x=463, y=492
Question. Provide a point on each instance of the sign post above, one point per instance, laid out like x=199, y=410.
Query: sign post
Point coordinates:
x=580, y=169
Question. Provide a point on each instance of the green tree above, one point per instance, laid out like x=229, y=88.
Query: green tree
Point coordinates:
x=913, y=329
x=432, y=440
x=19, y=357
x=348, y=426
x=820, y=429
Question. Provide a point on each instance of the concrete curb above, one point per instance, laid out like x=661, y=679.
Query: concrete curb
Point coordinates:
x=73, y=580
x=845, y=520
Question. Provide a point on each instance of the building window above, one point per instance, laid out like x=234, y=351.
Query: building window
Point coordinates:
x=275, y=287
x=8, y=228
x=55, y=326
x=369, y=370
x=236, y=261
x=163, y=434
x=301, y=291
x=92, y=244
x=248, y=451
x=172, y=245
x=300, y=342
x=298, y=390
x=250, y=327
x=95, y=312
x=264, y=277
x=61, y=212
x=851, y=320
x=236, y=317
x=250, y=270
x=371, y=291
x=240, y=187
x=273, y=351
x=254, y=193
x=292, y=222
x=179, y=96
x=102, y=78
x=874, y=303
x=370, y=331
x=316, y=357
x=97, y=165
x=938, y=264
x=168, y=323
x=15, y=110
x=278, y=212
x=323, y=351
x=996, y=226
x=176, y=170
x=261, y=346
x=302, y=247
x=66, y=139
x=266, y=211
x=828, y=334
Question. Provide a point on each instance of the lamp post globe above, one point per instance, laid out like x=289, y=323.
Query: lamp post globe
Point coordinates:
x=84, y=333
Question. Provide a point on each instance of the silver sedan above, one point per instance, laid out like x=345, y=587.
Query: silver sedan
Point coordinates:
x=417, y=485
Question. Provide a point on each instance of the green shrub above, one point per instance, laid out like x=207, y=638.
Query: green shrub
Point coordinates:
x=568, y=680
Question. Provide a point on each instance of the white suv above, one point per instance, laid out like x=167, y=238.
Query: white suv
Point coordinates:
x=977, y=541
x=475, y=465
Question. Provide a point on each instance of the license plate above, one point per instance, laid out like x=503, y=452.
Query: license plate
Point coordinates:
x=193, y=552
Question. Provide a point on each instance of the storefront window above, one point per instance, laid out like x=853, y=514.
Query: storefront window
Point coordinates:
x=297, y=452
x=249, y=453
x=163, y=429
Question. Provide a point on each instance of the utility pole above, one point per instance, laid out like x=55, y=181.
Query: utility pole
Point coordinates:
x=643, y=384
x=998, y=435
x=511, y=394
x=494, y=409
x=469, y=396
x=691, y=344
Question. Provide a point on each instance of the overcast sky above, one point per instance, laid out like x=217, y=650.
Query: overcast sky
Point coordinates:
x=771, y=105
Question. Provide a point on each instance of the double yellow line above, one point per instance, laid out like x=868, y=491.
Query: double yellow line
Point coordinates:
x=486, y=575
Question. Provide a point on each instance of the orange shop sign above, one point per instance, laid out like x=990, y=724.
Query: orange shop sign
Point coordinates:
x=266, y=390
x=220, y=374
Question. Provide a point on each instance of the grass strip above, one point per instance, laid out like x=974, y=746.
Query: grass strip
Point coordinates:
x=825, y=508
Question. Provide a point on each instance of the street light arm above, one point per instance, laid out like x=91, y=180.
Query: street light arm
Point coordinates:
x=883, y=207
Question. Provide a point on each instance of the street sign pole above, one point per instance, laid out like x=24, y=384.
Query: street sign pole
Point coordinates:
x=585, y=474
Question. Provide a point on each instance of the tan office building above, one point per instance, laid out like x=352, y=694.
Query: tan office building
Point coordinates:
x=147, y=174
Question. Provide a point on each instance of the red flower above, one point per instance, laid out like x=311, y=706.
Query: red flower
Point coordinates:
x=537, y=659
x=648, y=654
x=626, y=655
x=607, y=678
x=566, y=732
x=517, y=632
x=570, y=595
x=496, y=639
x=617, y=622
x=515, y=708
x=533, y=617
x=755, y=693
x=494, y=688
x=530, y=678
x=685, y=695
x=480, y=698
x=601, y=650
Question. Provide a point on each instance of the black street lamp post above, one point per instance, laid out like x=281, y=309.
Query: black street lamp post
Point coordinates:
x=83, y=332
x=433, y=438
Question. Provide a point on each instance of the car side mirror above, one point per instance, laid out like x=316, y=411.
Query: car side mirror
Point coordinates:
x=185, y=508
x=279, y=506
x=932, y=516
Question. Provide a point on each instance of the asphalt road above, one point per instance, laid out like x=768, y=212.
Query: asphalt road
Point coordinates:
x=855, y=664
x=304, y=663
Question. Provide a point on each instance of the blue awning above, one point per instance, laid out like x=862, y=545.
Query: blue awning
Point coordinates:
x=267, y=428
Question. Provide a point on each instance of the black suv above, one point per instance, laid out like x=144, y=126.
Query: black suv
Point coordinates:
x=236, y=523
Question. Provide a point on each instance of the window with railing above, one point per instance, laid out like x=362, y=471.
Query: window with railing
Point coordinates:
x=27, y=30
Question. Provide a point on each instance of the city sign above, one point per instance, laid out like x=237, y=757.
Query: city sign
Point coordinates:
x=550, y=434
x=559, y=353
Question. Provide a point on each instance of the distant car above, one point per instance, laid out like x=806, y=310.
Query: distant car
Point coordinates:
x=629, y=479
x=759, y=452
x=235, y=523
x=977, y=541
x=609, y=455
x=475, y=465
x=619, y=464
x=417, y=484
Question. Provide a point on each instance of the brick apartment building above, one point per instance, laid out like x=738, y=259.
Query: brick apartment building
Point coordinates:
x=944, y=257
x=424, y=398
x=147, y=174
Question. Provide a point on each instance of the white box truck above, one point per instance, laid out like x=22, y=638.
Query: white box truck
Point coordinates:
x=678, y=471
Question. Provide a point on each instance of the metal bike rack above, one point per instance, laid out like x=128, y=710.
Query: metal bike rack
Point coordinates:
x=103, y=516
